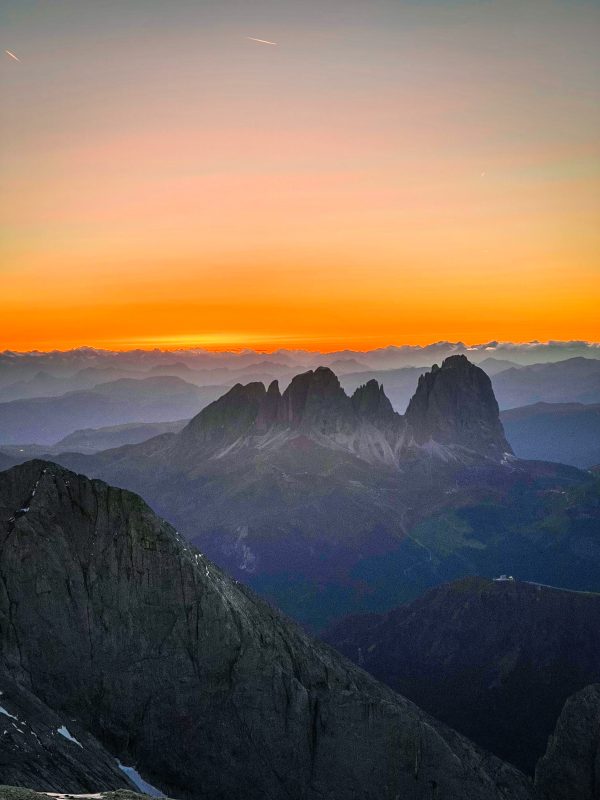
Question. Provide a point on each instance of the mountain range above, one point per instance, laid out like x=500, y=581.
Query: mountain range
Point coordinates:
x=328, y=504
x=136, y=387
x=573, y=380
x=565, y=432
x=15, y=365
x=46, y=420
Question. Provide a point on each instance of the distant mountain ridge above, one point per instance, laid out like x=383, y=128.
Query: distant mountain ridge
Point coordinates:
x=39, y=374
x=46, y=420
x=568, y=381
x=564, y=432
x=95, y=439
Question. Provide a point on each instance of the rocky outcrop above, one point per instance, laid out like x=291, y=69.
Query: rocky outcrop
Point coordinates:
x=112, y=621
x=315, y=401
x=313, y=409
x=49, y=751
x=494, y=659
x=228, y=418
x=313, y=405
x=570, y=769
x=370, y=401
x=453, y=414
x=455, y=405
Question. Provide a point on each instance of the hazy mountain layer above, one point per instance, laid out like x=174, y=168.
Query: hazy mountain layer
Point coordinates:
x=576, y=380
x=565, y=432
x=18, y=365
x=46, y=420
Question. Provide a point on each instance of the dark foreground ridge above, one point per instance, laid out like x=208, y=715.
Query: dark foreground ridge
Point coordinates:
x=494, y=659
x=129, y=636
x=570, y=770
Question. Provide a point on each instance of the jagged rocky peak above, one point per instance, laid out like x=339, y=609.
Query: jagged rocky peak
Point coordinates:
x=269, y=408
x=455, y=405
x=136, y=639
x=370, y=401
x=315, y=399
x=233, y=413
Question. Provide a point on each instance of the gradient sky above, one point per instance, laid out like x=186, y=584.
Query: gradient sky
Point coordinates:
x=391, y=172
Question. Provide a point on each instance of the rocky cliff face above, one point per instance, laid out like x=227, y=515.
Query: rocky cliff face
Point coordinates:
x=455, y=405
x=453, y=414
x=314, y=407
x=570, y=769
x=496, y=660
x=49, y=751
x=109, y=619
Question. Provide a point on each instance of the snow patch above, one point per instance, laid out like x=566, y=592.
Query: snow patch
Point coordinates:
x=6, y=713
x=137, y=780
x=64, y=732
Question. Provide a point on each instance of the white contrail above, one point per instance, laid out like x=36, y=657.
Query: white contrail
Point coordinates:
x=12, y=55
x=261, y=41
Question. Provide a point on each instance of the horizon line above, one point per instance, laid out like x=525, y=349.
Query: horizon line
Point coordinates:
x=492, y=345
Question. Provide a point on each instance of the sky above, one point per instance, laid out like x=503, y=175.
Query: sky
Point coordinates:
x=388, y=172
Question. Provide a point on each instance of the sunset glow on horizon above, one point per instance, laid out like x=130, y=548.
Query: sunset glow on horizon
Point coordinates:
x=390, y=172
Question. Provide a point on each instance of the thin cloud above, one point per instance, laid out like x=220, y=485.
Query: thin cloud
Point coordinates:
x=12, y=55
x=262, y=41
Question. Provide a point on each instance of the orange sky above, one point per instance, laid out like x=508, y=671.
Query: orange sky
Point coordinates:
x=416, y=173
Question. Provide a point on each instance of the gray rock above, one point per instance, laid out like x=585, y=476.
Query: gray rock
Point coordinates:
x=107, y=616
x=570, y=769
x=455, y=405
x=496, y=660
x=36, y=751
